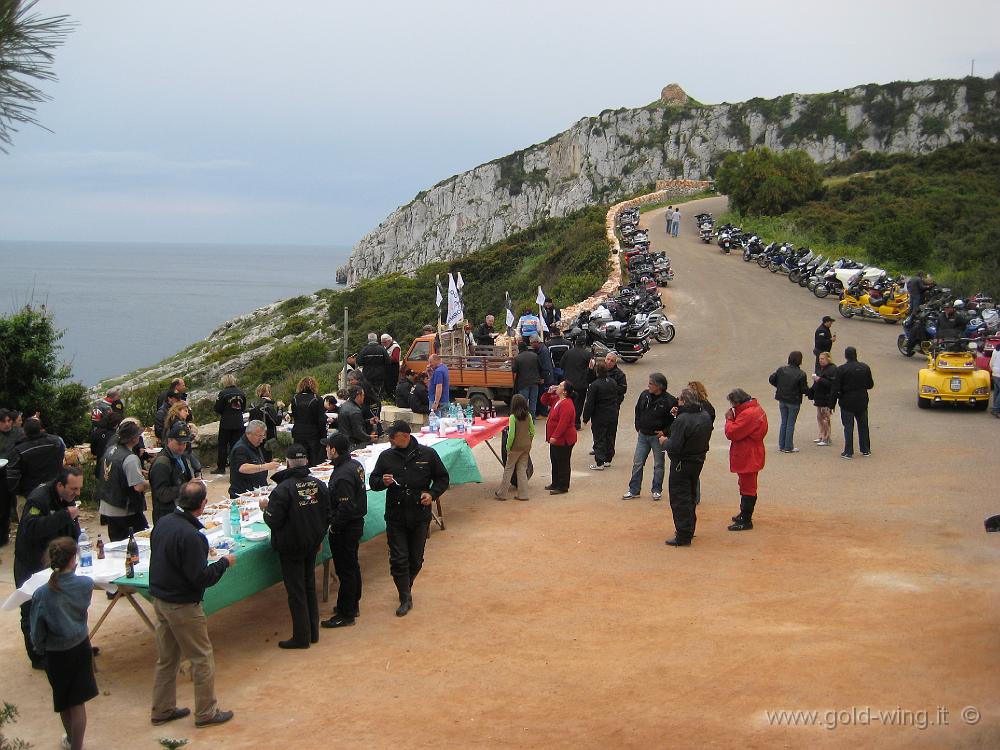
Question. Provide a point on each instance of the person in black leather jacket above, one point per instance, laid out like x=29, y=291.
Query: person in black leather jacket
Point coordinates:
x=854, y=380
x=420, y=402
x=604, y=398
x=229, y=405
x=351, y=422
x=310, y=424
x=297, y=513
x=413, y=477
x=36, y=459
x=686, y=447
x=348, y=507
x=403, y=388
x=789, y=387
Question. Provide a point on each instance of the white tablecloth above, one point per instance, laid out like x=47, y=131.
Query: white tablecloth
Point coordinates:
x=103, y=572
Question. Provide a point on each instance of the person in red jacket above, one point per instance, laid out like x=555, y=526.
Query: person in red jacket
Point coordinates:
x=560, y=434
x=746, y=427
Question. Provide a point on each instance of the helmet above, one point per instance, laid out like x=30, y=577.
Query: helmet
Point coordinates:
x=959, y=304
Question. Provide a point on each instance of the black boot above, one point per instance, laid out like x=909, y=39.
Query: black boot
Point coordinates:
x=405, y=598
x=744, y=522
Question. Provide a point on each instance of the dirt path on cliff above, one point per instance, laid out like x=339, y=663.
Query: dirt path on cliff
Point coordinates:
x=566, y=622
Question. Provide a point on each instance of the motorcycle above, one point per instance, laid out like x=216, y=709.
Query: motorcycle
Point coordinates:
x=629, y=339
x=866, y=302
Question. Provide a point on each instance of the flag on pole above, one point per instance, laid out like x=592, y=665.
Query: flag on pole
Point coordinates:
x=438, y=299
x=458, y=282
x=455, y=313
x=510, y=315
x=540, y=300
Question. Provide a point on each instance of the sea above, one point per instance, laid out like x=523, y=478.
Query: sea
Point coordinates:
x=123, y=306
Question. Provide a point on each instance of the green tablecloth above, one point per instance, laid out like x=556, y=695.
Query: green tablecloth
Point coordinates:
x=257, y=565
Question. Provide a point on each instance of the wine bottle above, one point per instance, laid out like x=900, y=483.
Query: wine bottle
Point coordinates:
x=131, y=555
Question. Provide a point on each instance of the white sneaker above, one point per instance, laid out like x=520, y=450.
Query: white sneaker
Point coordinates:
x=657, y=495
x=597, y=467
x=65, y=744
x=823, y=442
x=629, y=496
x=791, y=450
x=817, y=440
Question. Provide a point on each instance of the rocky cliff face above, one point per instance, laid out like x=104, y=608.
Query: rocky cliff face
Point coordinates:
x=620, y=152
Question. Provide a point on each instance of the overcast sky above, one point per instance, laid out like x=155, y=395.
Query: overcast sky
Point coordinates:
x=310, y=121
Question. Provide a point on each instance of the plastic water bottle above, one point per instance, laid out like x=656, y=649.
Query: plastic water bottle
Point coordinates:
x=461, y=422
x=86, y=551
x=234, y=519
x=432, y=420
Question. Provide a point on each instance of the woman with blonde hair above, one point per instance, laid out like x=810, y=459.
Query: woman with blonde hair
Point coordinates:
x=821, y=393
x=59, y=630
x=520, y=433
x=229, y=405
x=699, y=388
x=182, y=412
x=310, y=419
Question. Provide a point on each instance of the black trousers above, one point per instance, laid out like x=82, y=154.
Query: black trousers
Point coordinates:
x=227, y=439
x=344, y=548
x=579, y=396
x=299, y=575
x=682, y=487
x=6, y=503
x=118, y=526
x=22, y=574
x=604, y=440
x=310, y=441
x=559, y=456
x=407, y=536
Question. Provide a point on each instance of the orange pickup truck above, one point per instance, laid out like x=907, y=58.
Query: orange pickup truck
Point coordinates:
x=481, y=374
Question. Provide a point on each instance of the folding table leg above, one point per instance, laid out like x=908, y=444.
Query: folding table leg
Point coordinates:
x=326, y=581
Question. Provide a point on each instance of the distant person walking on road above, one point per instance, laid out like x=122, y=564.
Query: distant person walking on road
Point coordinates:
x=789, y=387
x=746, y=428
x=670, y=219
x=675, y=226
x=822, y=397
x=854, y=380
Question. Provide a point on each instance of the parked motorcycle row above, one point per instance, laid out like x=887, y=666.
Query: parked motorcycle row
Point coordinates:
x=871, y=293
x=628, y=321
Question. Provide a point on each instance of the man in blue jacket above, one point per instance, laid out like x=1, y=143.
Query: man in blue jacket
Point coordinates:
x=178, y=577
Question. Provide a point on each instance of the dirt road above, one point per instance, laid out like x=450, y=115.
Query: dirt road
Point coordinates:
x=566, y=622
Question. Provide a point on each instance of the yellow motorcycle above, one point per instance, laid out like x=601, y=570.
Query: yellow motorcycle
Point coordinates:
x=891, y=307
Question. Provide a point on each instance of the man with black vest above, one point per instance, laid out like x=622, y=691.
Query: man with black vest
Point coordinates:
x=348, y=506
x=49, y=513
x=374, y=361
x=686, y=447
x=413, y=477
x=179, y=573
x=297, y=513
x=171, y=470
x=124, y=499
x=653, y=418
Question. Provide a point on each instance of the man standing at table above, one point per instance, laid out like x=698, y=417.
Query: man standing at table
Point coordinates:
x=124, y=500
x=413, y=477
x=49, y=512
x=171, y=470
x=247, y=467
x=440, y=386
x=348, y=506
x=179, y=573
x=296, y=513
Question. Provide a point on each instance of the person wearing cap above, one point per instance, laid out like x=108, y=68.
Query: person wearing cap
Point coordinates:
x=412, y=476
x=348, y=507
x=248, y=468
x=823, y=338
x=124, y=500
x=171, y=470
x=297, y=512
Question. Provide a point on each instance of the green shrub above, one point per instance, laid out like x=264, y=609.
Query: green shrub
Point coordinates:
x=284, y=358
x=761, y=182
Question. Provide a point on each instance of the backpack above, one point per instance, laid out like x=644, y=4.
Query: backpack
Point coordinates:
x=257, y=412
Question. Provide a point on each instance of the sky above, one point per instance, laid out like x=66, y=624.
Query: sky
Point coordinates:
x=308, y=122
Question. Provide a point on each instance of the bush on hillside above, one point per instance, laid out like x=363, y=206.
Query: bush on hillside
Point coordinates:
x=761, y=182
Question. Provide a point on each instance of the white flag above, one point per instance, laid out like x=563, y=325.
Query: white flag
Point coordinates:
x=540, y=297
x=541, y=320
x=458, y=282
x=510, y=312
x=438, y=298
x=455, y=313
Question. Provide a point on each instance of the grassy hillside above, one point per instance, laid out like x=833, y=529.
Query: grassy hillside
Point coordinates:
x=944, y=208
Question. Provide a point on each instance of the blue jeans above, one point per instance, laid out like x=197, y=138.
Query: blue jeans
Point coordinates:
x=674, y=228
x=848, y=418
x=996, y=395
x=786, y=434
x=670, y=226
x=530, y=392
x=643, y=445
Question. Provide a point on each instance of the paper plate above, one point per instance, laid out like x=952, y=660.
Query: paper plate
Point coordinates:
x=256, y=536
